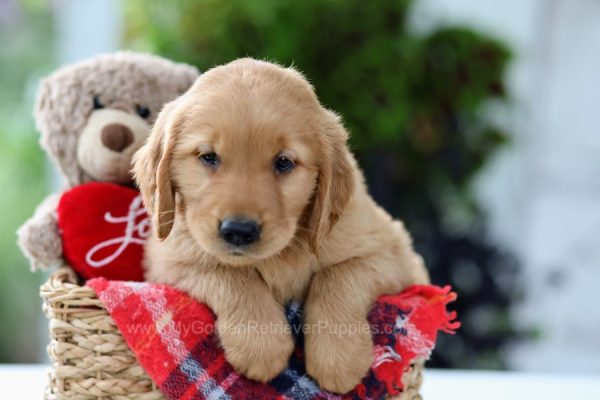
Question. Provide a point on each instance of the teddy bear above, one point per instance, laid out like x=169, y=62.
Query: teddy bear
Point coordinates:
x=93, y=116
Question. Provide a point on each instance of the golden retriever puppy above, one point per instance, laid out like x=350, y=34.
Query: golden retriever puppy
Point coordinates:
x=257, y=200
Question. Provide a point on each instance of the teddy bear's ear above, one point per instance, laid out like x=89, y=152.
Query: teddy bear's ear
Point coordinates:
x=151, y=170
x=58, y=117
x=186, y=75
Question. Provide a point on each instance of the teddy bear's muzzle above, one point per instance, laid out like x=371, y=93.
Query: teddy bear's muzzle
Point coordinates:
x=107, y=143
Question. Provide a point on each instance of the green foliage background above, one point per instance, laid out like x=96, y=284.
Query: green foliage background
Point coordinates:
x=416, y=106
x=25, y=52
x=395, y=89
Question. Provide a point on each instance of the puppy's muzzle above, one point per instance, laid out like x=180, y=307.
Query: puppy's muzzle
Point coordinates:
x=239, y=231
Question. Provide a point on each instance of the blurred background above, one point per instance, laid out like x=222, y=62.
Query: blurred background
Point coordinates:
x=475, y=122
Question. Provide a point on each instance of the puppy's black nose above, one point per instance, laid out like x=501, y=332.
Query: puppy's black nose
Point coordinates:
x=239, y=232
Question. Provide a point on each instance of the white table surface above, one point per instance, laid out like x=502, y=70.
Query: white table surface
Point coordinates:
x=26, y=382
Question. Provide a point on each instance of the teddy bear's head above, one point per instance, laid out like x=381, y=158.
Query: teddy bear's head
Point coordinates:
x=95, y=114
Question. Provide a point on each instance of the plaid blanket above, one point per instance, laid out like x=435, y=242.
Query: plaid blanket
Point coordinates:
x=174, y=339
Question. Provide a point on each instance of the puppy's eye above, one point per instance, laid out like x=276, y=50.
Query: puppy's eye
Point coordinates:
x=142, y=111
x=210, y=159
x=97, y=103
x=283, y=164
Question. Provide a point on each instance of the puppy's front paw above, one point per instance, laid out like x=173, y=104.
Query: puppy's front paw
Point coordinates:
x=338, y=359
x=260, y=351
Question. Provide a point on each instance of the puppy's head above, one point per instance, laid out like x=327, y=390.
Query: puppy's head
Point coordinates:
x=255, y=162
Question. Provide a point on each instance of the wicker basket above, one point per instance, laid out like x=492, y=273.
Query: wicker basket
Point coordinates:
x=92, y=361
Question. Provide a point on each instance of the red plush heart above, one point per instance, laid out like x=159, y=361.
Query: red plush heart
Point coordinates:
x=103, y=228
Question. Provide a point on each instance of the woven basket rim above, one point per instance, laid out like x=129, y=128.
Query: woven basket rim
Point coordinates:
x=72, y=309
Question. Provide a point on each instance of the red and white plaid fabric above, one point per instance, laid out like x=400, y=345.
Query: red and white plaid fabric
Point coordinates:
x=173, y=337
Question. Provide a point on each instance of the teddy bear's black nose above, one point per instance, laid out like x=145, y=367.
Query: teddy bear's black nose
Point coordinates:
x=116, y=137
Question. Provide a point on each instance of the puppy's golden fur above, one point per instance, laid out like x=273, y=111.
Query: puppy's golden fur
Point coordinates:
x=323, y=239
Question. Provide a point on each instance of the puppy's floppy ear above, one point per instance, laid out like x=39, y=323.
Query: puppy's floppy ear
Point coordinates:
x=151, y=170
x=335, y=182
